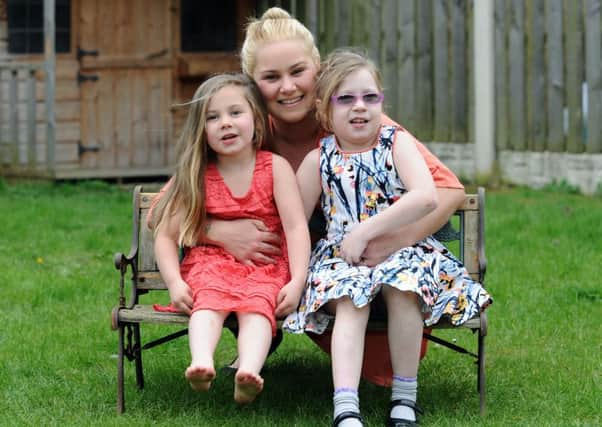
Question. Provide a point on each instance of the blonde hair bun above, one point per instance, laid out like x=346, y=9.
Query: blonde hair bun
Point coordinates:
x=275, y=13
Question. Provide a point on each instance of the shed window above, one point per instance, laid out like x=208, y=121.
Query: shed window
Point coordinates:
x=208, y=26
x=26, y=26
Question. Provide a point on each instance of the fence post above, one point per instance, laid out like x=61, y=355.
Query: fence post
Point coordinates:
x=49, y=72
x=14, y=116
x=31, y=118
x=484, y=87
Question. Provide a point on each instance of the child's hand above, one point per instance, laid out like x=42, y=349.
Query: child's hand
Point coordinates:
x=181, y=296
x=288, y=298
x=353, y=246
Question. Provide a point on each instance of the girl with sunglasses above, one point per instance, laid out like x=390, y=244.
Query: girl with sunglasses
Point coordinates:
x=372, y=180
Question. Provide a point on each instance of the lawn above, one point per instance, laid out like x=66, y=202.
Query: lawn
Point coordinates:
x=57, y=351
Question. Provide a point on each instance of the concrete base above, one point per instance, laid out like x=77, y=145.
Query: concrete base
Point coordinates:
x=533, y=169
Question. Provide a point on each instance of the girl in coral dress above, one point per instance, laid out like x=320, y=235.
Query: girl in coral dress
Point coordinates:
x=220, y=172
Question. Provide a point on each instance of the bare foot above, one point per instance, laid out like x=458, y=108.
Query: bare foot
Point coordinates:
x=247, y=386
x=200, y=377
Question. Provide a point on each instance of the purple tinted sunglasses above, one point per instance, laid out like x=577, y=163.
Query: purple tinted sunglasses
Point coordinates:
x=351, y=99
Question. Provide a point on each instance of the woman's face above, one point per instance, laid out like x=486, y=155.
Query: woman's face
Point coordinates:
x=286, y=76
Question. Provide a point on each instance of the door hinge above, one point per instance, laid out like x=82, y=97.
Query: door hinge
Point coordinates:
x=81, y=149
x=81, y=78
x=83, y=52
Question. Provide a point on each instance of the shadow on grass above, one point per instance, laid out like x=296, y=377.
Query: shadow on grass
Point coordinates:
x=298, y=391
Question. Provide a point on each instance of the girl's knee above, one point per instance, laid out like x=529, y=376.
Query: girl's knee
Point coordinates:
x=344, y=306
x=253, y=320
x=395, y=296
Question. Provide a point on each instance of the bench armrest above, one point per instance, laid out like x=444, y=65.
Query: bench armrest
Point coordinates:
x=481, y=242
x=122, y=261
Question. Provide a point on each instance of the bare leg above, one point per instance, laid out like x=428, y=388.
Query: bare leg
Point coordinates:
x=404, y=330
x=276, y=341
x=347, y=344
x=254, y=338
x=405, y=337
x=347, y=352
x=205, y=328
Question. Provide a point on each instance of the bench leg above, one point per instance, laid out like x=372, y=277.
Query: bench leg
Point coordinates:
x=481, y=373
x=120, y=355
x=138, y=357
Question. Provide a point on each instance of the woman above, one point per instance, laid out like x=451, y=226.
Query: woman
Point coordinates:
x=279, y=53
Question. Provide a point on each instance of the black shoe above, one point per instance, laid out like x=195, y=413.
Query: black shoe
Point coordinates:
x=344, y=415
x=402, y=422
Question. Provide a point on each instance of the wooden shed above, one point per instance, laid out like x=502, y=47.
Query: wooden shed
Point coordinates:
x=120, y=68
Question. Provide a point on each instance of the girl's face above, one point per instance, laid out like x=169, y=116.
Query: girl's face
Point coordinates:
x=355, y=111
x=286, y=76
x=229, y=122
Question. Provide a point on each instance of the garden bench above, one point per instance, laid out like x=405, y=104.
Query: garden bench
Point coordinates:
x=144, y=278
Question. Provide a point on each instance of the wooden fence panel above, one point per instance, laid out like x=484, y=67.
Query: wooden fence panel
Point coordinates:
x=389, y=65
x=516, y=90
x=343, y=19
x=458, y=72
x=536, y=99
x=406, y=96
x=555, y=77
x=470, y=104
x=573, y=12
x=441, y=70
x=423, y=126
x=593, y=73
x=501, y=81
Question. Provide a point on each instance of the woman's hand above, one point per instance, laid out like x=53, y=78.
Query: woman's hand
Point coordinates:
x=379, y=249
x=180, y=295
x=353, y=245
x=247, y=240
x=288, y=298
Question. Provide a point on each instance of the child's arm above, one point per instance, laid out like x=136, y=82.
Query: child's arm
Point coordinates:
x=419, y=200
x=290, y=208
x=166, y=254
x=380, y=248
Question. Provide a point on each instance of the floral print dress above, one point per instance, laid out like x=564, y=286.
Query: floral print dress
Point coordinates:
x=355, y=186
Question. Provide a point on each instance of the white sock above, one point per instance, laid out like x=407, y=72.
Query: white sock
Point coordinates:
x=346, y=400
x=404, y=388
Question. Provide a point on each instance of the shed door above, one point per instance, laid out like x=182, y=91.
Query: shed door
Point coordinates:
x=125, y=82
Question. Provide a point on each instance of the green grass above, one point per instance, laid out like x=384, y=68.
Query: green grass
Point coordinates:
x=57, y=351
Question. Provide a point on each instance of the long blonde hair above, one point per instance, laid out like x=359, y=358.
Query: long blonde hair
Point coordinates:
x=274, y=25
x=186, y=193
x=336, y=67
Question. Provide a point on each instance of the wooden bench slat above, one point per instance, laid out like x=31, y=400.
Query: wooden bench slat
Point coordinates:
x=145, y=313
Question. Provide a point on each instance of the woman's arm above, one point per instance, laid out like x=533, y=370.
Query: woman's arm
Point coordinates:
x=380, y=248
x=247, y=240
x=419, y=200
x=294, y=224
x=166, y=254
x=308, y=178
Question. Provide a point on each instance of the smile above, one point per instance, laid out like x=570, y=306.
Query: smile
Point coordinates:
x=290, y=101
